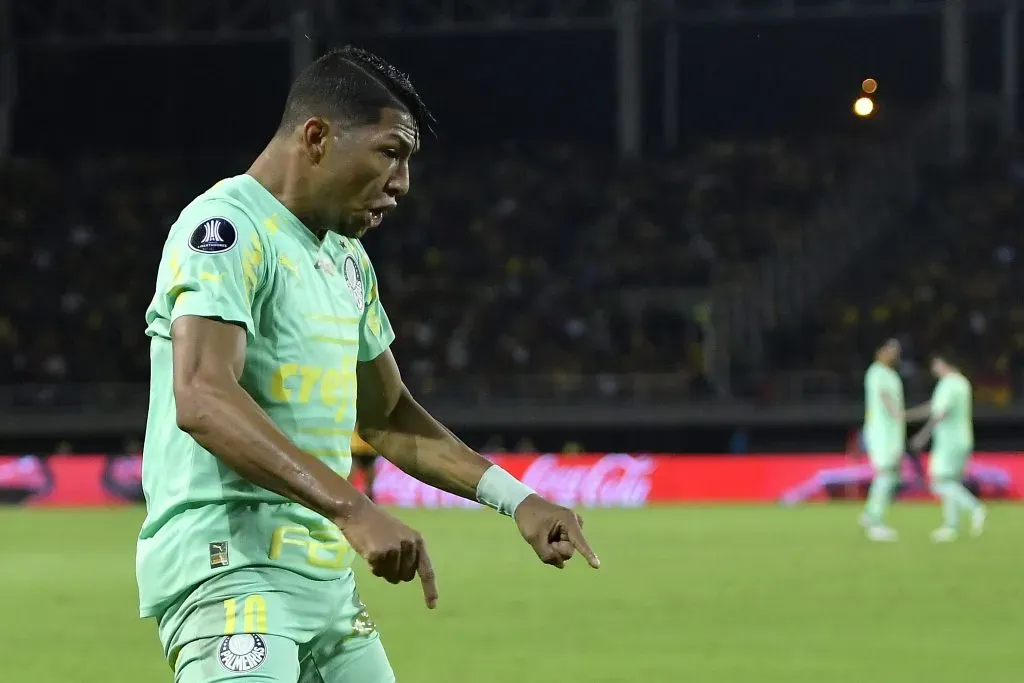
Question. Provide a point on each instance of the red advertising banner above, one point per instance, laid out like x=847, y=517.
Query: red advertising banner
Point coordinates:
x=593, y=480
x=631, y=480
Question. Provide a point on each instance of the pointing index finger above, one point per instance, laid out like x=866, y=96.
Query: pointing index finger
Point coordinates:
x=580, y=543
x=428, y=580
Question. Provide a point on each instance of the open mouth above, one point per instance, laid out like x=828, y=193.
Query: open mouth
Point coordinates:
x=376, y=216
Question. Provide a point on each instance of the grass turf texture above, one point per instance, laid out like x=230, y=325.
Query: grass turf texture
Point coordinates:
x=758, y=595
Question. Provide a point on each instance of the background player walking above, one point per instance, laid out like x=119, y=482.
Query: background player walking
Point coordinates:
x=951, y=430
x=885, y=433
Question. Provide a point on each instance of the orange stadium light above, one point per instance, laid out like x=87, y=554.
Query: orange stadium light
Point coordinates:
x=864, y=107
x=869, y=86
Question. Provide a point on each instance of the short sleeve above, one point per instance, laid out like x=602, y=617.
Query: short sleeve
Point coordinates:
x=942, y=401
x=213, y=265
x=375, y=332
x=871, y=381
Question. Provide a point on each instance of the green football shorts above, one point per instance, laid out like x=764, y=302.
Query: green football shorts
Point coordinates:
x=272, y=625
x=885, y=454
x=949, y=462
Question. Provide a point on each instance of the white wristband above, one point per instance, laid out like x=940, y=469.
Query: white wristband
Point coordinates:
x=500, y=490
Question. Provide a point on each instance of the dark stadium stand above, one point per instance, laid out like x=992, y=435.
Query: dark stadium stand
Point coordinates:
x=949, y=282
x=498, y=265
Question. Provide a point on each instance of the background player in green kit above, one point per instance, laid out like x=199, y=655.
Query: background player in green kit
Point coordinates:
x=268, y=337
x=951, y=430
x=885, y=433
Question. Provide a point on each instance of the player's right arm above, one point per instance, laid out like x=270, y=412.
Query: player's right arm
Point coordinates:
x=940, y=404
x=891, y=406
x=214, y=409
x=209, y=288
x=875, y=385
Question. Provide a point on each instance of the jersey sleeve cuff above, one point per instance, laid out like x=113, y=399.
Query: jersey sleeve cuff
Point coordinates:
x=369, y=352
x=190, y=304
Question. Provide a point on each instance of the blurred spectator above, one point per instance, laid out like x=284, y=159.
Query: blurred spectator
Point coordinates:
x=952, y=284
x=498, y=267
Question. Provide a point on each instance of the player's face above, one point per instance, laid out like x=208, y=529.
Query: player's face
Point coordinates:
x=364, y=171
x=938, y=367
x=891, y=353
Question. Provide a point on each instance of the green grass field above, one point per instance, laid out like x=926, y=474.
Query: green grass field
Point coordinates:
x=703, y=595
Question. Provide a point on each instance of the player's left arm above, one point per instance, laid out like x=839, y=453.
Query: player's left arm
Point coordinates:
x=940, y=408
x=402, y=431
x=919, y=412
x=920, y=440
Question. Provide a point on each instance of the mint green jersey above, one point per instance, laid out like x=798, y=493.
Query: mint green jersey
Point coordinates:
x=310, y=310
x=954, y=398
x=880, y=428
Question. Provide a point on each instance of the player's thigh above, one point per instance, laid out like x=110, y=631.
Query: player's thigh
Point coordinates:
x=948, y=463
x=247, y=602
x=885, y=454
x=359, y=659
x=242, y=658
x=349, y=651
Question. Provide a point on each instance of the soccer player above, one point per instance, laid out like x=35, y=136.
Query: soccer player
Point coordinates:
x=268, y=335
x=885, y=434
x=364, y=461
x=951, y=430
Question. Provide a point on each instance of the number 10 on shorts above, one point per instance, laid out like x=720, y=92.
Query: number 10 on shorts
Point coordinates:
x=253, y=613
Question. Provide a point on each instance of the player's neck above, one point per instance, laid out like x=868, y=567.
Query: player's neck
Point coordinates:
x=277, y=171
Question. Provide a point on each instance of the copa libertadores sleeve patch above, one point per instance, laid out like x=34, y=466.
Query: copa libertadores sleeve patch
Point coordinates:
x=213, y=236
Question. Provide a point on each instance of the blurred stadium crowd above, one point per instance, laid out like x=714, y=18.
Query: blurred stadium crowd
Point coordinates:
x=514, y=262
x=950, y=284
x=511, y=265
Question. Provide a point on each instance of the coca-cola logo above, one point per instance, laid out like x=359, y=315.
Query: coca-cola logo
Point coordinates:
x=614, y=480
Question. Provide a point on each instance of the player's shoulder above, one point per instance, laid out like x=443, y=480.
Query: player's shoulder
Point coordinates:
x=887, y=372
x=219, y=218
x=357, y=247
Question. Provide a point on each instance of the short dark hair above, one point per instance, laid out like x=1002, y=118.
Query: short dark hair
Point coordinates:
x=891, y=341
x=355, y=84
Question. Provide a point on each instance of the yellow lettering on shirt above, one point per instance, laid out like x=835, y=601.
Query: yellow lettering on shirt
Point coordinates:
x=331, y=386
x=303, y=384
x=310, y=375
x=278, y=390
x=324, y=548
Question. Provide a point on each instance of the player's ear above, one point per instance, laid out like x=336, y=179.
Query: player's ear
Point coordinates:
x=316, y=138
